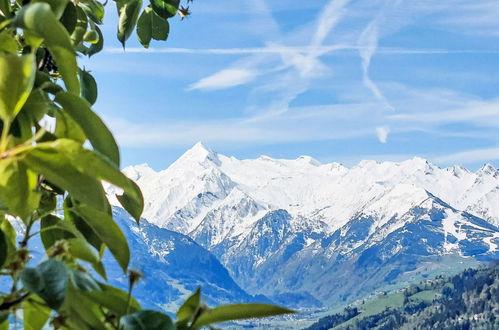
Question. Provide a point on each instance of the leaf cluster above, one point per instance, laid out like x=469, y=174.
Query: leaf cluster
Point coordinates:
x=55, y=155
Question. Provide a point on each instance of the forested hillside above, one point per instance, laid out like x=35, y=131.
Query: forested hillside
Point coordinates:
x=469, y=300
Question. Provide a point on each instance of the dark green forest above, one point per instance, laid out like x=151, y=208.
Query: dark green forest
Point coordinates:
x=468, y=300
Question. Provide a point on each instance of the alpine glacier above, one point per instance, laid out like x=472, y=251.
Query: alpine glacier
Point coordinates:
x=306, y=233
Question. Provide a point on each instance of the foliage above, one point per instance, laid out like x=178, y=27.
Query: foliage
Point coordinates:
x=51, y=176
x=469, y=300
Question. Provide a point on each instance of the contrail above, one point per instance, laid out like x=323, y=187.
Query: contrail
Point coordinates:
x=368, y=43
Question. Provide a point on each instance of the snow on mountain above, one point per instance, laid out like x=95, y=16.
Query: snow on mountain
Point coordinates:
x=268, y=220
x=180, y=197
x=174, y=266
x=195, y=185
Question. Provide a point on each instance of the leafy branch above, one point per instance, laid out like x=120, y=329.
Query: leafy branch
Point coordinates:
x=51, y=177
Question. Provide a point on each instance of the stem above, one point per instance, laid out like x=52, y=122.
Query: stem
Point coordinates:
x=129, y=299
x=38, y=135
x=5, y=135
x=6, y=305
x=27, y=236
x=128, y=302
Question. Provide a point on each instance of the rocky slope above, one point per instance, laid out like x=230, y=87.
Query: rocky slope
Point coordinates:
x=307, y=233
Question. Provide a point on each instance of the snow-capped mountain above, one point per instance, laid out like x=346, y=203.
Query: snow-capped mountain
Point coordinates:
x=174, y=266
x=288, y=227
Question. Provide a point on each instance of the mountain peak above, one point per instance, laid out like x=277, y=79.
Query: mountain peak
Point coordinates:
x=457, y=170
x=487, y=169
x=200, y=147
x=199, y=153
x=309, y=160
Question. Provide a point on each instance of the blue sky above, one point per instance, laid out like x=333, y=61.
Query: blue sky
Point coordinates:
x=337, y=80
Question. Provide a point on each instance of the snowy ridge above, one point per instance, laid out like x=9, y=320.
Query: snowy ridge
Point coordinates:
x=179, y=197
x=260, y=216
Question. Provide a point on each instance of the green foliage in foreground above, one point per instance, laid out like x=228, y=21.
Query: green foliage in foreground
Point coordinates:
x=51, y=174
x=469, y=300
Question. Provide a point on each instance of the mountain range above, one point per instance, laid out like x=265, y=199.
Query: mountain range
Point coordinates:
x=307, y=234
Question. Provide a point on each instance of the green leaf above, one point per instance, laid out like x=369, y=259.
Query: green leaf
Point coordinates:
x=93, y=9
x=91, y=36
x=132, y=201
x=79, y=248
x=88, y=87
x=82, y=312
x=10, y=236
x=144, y=27
x=147, y=320
x=108, y=231
x=5, y=8
x=113, y=299
x=17, y=188
x=151, y=26
x=8, y=43
x=97, y=47
x=69, y=18
x=83, y=281
x=81, y=26
x=53, y=161
x=35, y=313
x=68, y=156
x=57, y=6
x=4, y=248
x=87, y=232
x=48, y=203
x=22, y=127
x=39, y=18
x=17, y=75
x=52, y=231
x=128, y=11
x=238, y=312
x=66, y=127
x=189, y=308
x=48, y=280
x=165, y=8
x=98, y=134
x=37, y=105
x=160, y=27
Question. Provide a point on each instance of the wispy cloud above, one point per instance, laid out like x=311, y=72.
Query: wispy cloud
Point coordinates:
x=298, y=65
x=330, y=15
x=368, y=42
x=181, y=133
x=315, y=78
x=225, y=78
x=470, y=156
x=482, y=112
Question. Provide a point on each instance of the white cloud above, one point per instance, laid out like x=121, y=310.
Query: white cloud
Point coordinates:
x=470, y=156
x=368, y=44
x=330, y=16
x=290, y=126
x=382, y=133
x=225, y=78
x=291, y=77
x=480, y=112
x=308, y=64
x=288, y=65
